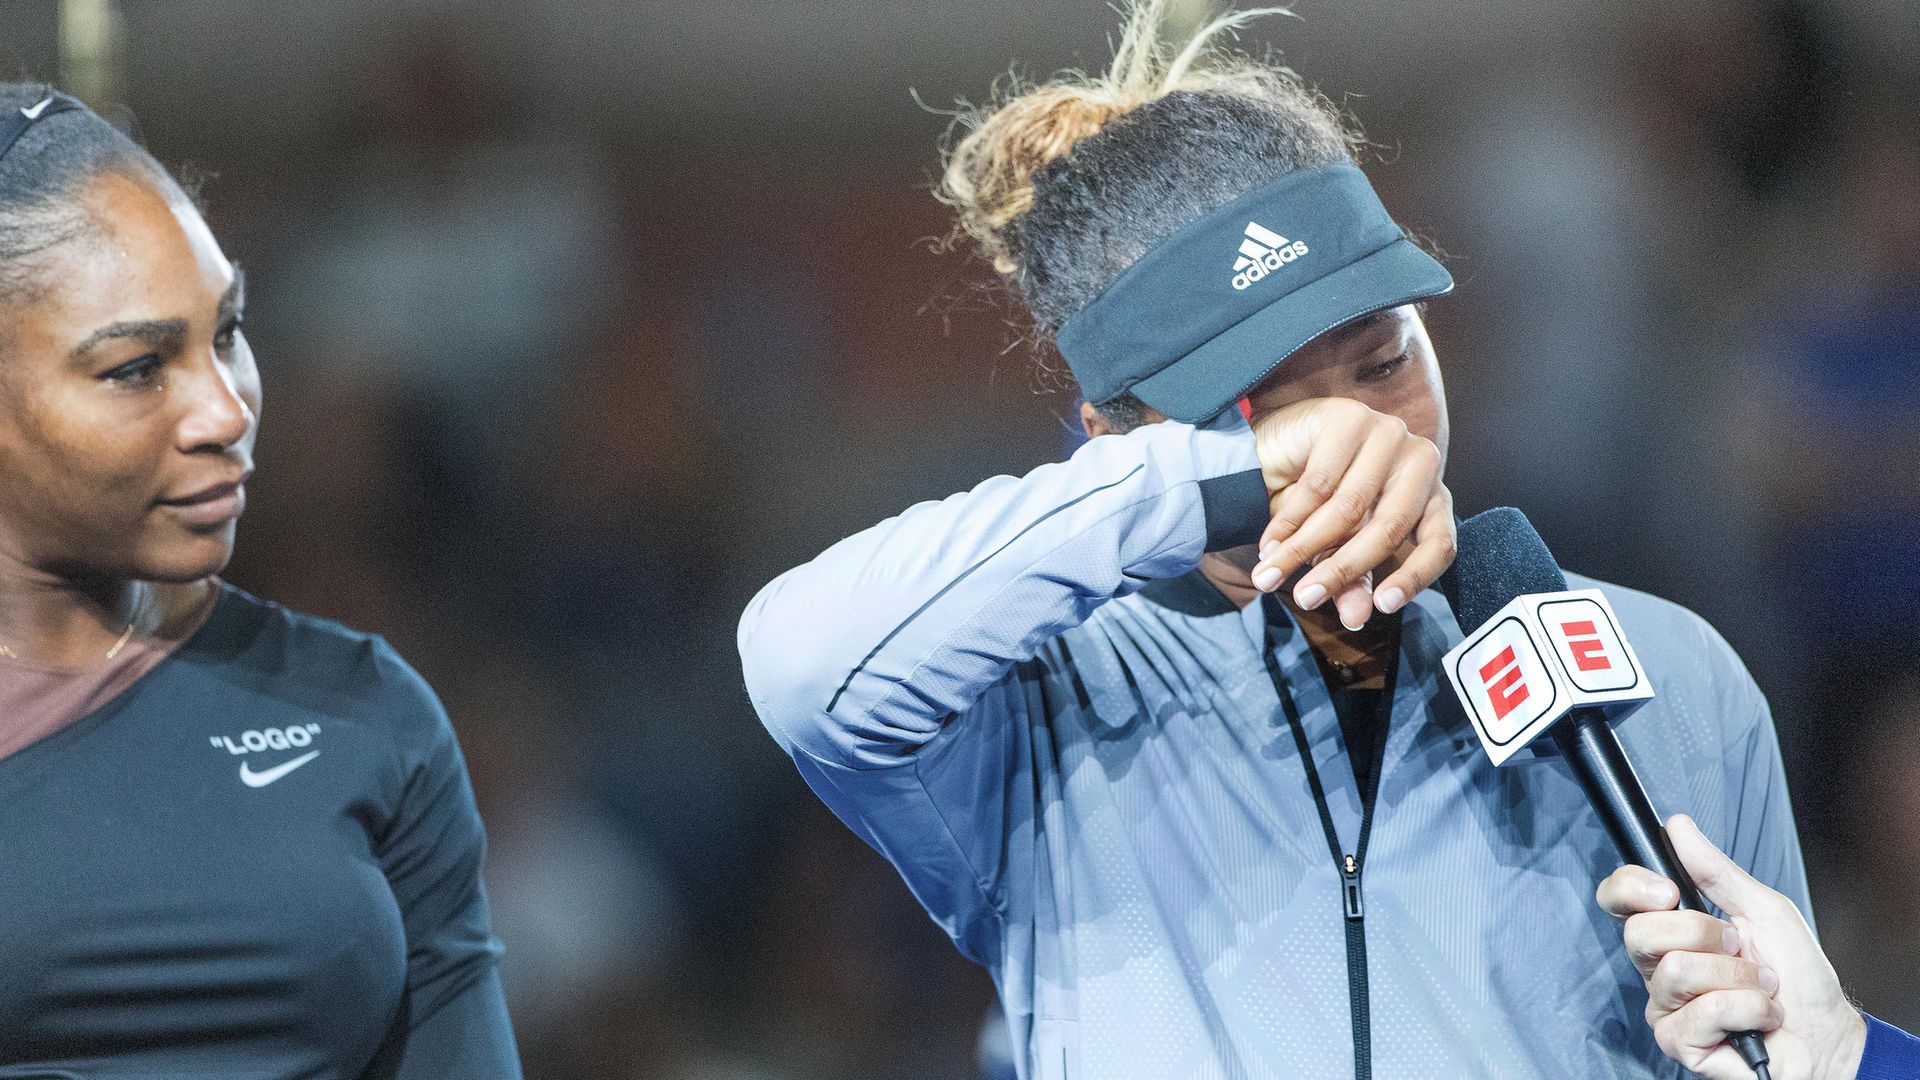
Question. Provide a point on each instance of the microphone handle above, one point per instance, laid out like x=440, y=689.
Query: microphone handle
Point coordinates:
x=1600, y=765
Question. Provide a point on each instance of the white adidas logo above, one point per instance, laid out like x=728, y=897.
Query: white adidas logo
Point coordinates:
x=1262, y=252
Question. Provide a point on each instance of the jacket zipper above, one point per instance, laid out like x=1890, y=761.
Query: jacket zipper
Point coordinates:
x=1348, y=864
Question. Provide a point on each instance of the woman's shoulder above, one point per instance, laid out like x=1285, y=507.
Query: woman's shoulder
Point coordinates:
x=1656, y=617
x=1678, y=647
x=312, y=661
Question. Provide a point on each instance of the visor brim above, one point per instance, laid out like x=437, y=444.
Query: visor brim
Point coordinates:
x=1201, y=384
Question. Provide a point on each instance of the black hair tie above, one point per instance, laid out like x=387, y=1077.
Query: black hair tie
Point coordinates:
x=16, y=121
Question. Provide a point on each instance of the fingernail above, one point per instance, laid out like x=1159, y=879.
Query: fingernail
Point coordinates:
x=1266, y=578
x=1389, y=600
x=1309, y=596
x=1661, y=894
x=1768, y=980
x=1354, y=629
x=1730, y=941
x=1269, y=549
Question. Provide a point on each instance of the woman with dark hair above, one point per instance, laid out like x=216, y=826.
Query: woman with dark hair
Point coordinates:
x=1159, y=734
x=237, y=840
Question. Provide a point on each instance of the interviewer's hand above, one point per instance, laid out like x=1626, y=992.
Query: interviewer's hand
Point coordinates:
x=1707, y=980
x=1358, y=489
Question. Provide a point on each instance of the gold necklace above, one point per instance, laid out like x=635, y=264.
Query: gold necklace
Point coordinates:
x=125, y=635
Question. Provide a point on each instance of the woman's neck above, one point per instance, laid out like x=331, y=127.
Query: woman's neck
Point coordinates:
x=1362, y=652
x=72, y=622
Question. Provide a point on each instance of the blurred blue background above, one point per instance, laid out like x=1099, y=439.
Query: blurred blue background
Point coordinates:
x=580, y=320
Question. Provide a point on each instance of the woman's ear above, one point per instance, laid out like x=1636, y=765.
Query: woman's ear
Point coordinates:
x=1095, y=424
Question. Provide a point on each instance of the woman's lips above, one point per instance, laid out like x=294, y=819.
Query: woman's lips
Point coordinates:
x=211, y=506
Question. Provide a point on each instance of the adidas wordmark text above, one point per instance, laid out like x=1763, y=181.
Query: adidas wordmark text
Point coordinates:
x=1262, y=252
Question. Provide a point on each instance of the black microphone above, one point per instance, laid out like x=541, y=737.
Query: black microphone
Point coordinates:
x=1501, y=557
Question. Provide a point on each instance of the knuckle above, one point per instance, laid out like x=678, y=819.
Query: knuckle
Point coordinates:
x=1708, y=877
x=1706, y=930
x=1352, y=506
x=1389, y=424
x=1666, y=1032
x=1634, y=934
x=1319, y=483
x=1396, y=525
x=1670, y=970
x=1349, y=409
x=1777, y=908
x=1421, y=451
x=1336, y=571
x=1292, y=553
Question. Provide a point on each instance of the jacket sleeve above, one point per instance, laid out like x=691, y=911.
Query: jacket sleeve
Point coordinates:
x=1891, y=1053
x=883, y=665
x=453, y=1019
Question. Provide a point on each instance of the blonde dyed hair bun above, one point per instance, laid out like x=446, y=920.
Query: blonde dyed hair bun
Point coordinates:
x=991, y=170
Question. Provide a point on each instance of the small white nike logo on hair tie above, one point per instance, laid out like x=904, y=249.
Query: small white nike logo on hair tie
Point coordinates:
x=34, y=113
x=262, y=779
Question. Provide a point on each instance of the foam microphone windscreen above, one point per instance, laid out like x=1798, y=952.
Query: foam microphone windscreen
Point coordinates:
x=1498, y=556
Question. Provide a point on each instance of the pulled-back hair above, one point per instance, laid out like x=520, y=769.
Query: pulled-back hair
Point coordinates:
x=1062, y=185
x=41, y=175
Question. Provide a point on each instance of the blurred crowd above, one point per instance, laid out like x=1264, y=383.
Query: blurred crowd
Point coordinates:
x=546, y=404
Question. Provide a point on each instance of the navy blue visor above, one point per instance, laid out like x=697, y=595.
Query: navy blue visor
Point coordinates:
x=1204, y=316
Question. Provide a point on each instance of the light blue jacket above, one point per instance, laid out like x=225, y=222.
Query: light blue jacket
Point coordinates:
x=1069, y=745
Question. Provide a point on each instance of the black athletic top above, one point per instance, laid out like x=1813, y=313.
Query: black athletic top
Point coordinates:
x=262, y=860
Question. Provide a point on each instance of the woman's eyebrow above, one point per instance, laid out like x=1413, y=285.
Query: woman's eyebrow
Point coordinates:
x=1366, y=326
x=154, y=333
x=1371, y=332
x=163, y=333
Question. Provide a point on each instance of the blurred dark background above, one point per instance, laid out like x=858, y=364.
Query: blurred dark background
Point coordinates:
x=580, y=320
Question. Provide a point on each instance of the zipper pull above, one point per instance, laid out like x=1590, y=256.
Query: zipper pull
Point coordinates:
x=1350, y=883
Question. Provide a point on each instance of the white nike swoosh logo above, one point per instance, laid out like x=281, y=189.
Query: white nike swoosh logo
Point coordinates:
x=34, y=113
x=262, y=779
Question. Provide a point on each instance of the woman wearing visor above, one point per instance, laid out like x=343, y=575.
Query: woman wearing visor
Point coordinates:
x=235, y=841
x=1158, y=734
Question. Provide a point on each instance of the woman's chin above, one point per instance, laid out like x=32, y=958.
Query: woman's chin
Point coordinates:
x=1242, y=558
x=186, y=563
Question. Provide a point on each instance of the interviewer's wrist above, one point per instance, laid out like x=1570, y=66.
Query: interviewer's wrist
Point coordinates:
x=1842, y=1060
